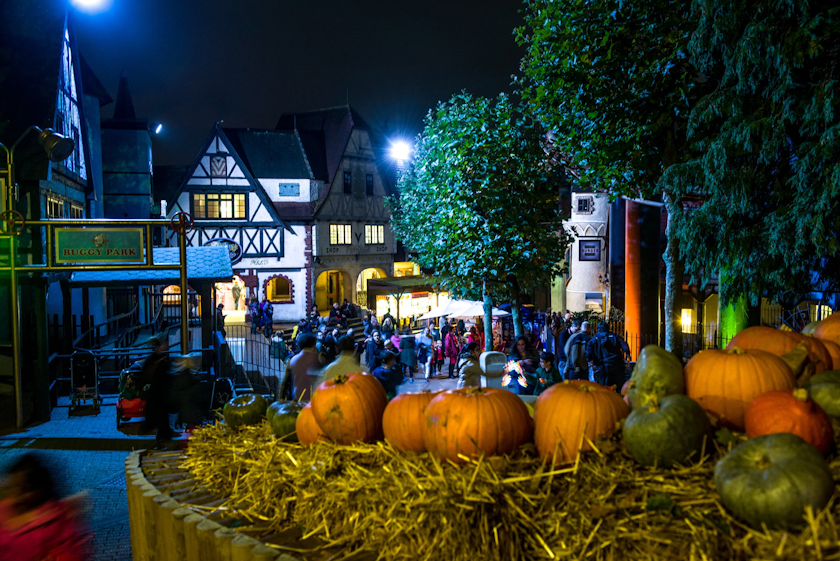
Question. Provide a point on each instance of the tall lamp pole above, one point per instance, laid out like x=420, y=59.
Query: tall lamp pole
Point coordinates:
x=58, y=148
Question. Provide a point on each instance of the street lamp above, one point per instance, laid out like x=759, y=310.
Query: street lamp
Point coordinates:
x=400, y=151
x=91, y=6
x=58, y=148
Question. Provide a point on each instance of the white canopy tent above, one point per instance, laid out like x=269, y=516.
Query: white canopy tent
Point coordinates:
x=461, y=309
x=476, y=309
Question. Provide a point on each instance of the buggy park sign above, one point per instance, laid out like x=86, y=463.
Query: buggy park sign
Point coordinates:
x=99, y=245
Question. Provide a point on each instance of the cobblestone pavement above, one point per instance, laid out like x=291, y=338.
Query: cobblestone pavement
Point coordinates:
x=101, y=474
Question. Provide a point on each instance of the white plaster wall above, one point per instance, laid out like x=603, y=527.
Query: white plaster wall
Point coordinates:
x=584, y=277
x=304, y=188
x=256, y=209
x=287, y=312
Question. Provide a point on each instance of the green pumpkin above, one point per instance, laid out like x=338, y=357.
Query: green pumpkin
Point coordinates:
x=657, y=373
x=666, y=431
x=824, y=388
x=771, y=479
x=282, y=416
x=247, y=409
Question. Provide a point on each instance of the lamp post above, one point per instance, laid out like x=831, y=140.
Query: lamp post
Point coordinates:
x=58, y=148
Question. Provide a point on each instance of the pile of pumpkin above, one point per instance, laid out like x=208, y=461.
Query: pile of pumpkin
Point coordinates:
x=778, y=386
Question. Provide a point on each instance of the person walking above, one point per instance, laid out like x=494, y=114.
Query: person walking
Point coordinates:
x=155, y=374
x=469, y=370
x=374, y=350
x=452, y=350
x=562, y=338
x=220, y=319
x=405, y=347
x=256, y=315
x=605, y=355
x=425, y=352
x=577, y=367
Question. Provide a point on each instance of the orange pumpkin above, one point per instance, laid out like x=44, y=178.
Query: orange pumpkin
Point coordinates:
x=829, y=328
x=349, y=408
x=471, y=421
x=306, y=427
x=564, y=411
x=834, y=351
x=793, y=412
x=781, y=342
x=724, y=382
x=404, y=419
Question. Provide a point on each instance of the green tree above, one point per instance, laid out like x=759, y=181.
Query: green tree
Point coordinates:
x=612, y=79
x=767, y=162
x=480, y=205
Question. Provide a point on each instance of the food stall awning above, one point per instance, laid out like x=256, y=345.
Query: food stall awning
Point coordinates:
x=403, y=285
x=204, y=264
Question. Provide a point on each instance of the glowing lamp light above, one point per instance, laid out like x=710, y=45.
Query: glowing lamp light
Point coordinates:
x=686, y=319
x=400, y=150
x=91, y=6
x=158, y=128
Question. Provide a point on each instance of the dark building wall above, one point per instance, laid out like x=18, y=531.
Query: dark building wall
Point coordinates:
x=126, y=172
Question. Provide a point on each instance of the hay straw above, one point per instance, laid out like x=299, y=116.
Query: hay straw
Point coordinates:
x=372, y=499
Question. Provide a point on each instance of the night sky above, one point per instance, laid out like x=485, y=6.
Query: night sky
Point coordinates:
x=191, y=63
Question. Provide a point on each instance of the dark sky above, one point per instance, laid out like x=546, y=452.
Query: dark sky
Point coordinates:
x=191, y=63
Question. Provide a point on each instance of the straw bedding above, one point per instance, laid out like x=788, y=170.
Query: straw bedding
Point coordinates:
x=372, y=501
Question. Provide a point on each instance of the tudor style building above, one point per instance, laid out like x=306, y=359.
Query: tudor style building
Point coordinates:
x=301, y=206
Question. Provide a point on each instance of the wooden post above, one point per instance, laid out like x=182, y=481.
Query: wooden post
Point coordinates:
x=150, y=529
x=178, y=515
x=191, y=537
x=207, y=550
x=166, y=527
x=223, y=537
x=240, y=548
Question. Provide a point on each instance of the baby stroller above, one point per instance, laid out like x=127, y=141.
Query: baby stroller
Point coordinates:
x=131, y=405
x=84, y=382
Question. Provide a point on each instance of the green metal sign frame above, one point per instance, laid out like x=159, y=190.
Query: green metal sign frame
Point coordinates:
x=98, y=245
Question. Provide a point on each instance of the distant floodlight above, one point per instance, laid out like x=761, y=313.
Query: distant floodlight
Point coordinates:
x=91, y=6
x=158, y=128
x=400, y=150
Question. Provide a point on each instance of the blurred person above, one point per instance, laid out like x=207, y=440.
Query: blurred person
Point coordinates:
x=303, y=370
x=547, y=374
x=577, y=368
x=374, y=350
x=220, y=319
x=469, y=370
x=35, y=525
x=346, y=362
x=522, y=353
x=425, y=352
x=452, y=350
x=605, y=355
x=156, y=374
x=388, y=374
x=407, y=351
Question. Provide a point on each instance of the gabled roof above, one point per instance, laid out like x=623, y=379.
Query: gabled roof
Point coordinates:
x=270, y=153
x=235, y=153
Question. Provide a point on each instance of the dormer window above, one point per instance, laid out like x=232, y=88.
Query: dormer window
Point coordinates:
x=219, y=205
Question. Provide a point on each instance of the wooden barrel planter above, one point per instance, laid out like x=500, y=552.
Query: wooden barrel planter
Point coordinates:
x=172, y=517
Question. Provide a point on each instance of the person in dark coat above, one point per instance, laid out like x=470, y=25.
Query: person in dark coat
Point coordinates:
x=374, y=350
x=388, y=374
x=562, y=339
x=605, y=354
x=155, y=373
x=408, y=358
x=522, y=353
x=220, y=320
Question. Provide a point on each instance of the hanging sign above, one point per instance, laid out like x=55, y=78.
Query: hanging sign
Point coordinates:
x=99, y=245
x=233, y=247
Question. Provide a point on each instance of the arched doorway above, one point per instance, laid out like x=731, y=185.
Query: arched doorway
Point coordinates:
x=361, y=284
x=331, y=287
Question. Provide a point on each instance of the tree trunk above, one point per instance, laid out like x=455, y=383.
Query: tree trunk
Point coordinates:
x=488, y=320
x=516, y=309
x=673, y=284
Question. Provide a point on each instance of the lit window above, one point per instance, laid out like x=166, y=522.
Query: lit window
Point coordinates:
x=77, y=212
x=340, y=234
x=278, y=289
x=369, y=185
x=55, y=208
x=374, y=234
x=219, y=205
x=348, y=183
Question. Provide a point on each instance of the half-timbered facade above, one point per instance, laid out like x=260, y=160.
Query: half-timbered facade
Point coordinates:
x=302, y=207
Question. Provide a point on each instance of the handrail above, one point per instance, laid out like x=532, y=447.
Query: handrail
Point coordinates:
x=113, y=319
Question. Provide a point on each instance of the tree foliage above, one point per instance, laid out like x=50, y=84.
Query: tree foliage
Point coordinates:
x=766, y=157
x=479, y=205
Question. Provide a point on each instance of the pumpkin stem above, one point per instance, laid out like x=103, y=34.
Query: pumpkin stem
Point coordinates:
x=736, y=351
x=762, y=462
x=801, y=394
